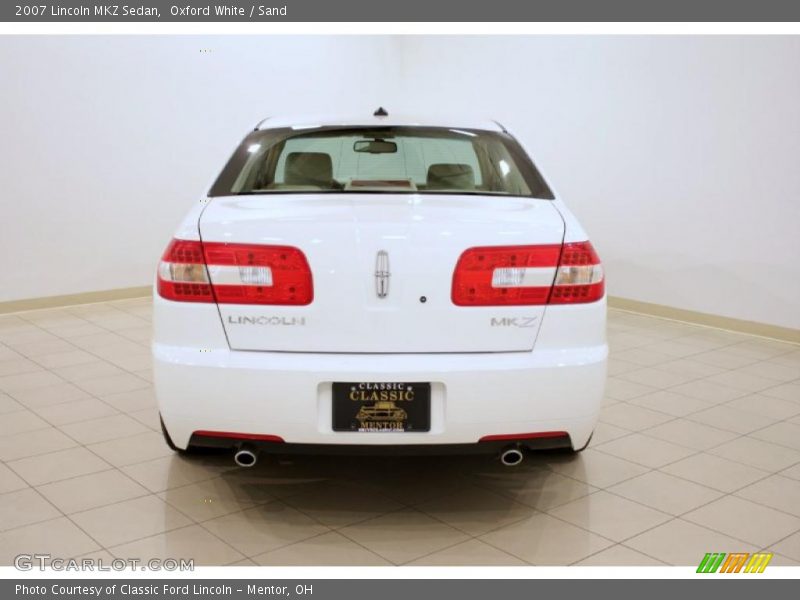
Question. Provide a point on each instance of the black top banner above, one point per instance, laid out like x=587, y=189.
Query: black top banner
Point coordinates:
x=403, y=10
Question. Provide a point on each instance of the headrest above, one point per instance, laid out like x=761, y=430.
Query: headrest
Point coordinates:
x=308, y=168
x=450, y=176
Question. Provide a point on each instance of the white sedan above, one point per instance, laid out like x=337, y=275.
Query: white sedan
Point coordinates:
x=379, y=284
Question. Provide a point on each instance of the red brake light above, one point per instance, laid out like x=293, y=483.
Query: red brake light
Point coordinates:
x=193, y=271
x=255, y=274
x=523, y=436
x=528, y=275
x=505, y=275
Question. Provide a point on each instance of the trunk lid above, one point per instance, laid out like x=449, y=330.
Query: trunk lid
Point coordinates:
x=413, y=240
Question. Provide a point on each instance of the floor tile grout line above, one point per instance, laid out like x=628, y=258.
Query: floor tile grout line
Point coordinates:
x=477, y=535
x=737, y=435
x=91, y=351
x=673, y=417
x=155, y=495
x=75, y=348
x=767, y=473
x=623, y=349
x=111, y=467
x=783, y=539
x=509, y=496
x=337, y=529
x=252, y=558
x=590, y=532
x=699, y=326
x=661, y=524
x=79, y=444
x=541, y=511
x=404, y=506
x=686, y=417
x=702, y=526
x=471, y=539
x=66, y=402
x=66, y=516
x=724, y=495
x=694, y=380
x=694, y=355
x=118, y=437
x=191, y=523
x=658, y=560
x=76, y=384
x=117, y=411
x=720, y=370
x=283, y=501
x=55, y=481
x=32, y=523
x=546, y=511
x=697, y=452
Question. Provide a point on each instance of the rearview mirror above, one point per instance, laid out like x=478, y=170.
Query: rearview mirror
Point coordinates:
x=375, y=146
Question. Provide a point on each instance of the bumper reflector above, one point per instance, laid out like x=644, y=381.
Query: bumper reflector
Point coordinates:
x=253, y=437
x=510, y=437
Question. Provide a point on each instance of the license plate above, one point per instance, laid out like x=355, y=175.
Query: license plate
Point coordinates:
x=380, y=407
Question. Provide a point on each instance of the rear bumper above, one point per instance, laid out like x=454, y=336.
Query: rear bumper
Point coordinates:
x=288, y=395
x=548, y=442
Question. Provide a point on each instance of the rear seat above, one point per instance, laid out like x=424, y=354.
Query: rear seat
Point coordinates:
x=450, y=176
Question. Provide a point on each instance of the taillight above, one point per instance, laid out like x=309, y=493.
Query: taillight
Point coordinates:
x=528, y=275
x=579, y=277
x=255, y=274
x=182, y=273
x=239, y=274
x=505, y=275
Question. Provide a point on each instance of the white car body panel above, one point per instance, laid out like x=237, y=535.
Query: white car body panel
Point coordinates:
x=423, y=236
x=213, y=374
x=556, y=388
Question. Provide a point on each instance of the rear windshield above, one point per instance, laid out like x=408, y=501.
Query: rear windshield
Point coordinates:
x=380, y=160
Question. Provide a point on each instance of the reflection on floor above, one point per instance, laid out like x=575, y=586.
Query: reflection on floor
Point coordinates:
x=698, y=450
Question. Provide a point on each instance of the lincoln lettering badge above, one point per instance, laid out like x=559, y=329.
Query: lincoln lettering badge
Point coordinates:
x=382, y=274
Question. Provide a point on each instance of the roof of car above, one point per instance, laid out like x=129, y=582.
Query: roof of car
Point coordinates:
x=370, y=119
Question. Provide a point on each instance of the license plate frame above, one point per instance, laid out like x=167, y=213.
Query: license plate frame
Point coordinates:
x=381, y=407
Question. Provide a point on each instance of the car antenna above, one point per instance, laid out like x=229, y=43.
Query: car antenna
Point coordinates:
x=381, y=112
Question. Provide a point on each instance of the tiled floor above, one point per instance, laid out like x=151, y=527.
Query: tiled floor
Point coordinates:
x=698, y=450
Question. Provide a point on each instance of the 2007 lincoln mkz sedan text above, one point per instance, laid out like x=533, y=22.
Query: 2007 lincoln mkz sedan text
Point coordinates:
x=379, y=284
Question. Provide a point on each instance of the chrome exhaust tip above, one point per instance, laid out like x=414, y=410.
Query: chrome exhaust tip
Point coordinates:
x=511, y=457
x=245, y=457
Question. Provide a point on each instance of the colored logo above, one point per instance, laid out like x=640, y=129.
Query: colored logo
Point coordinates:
x=735, y=562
